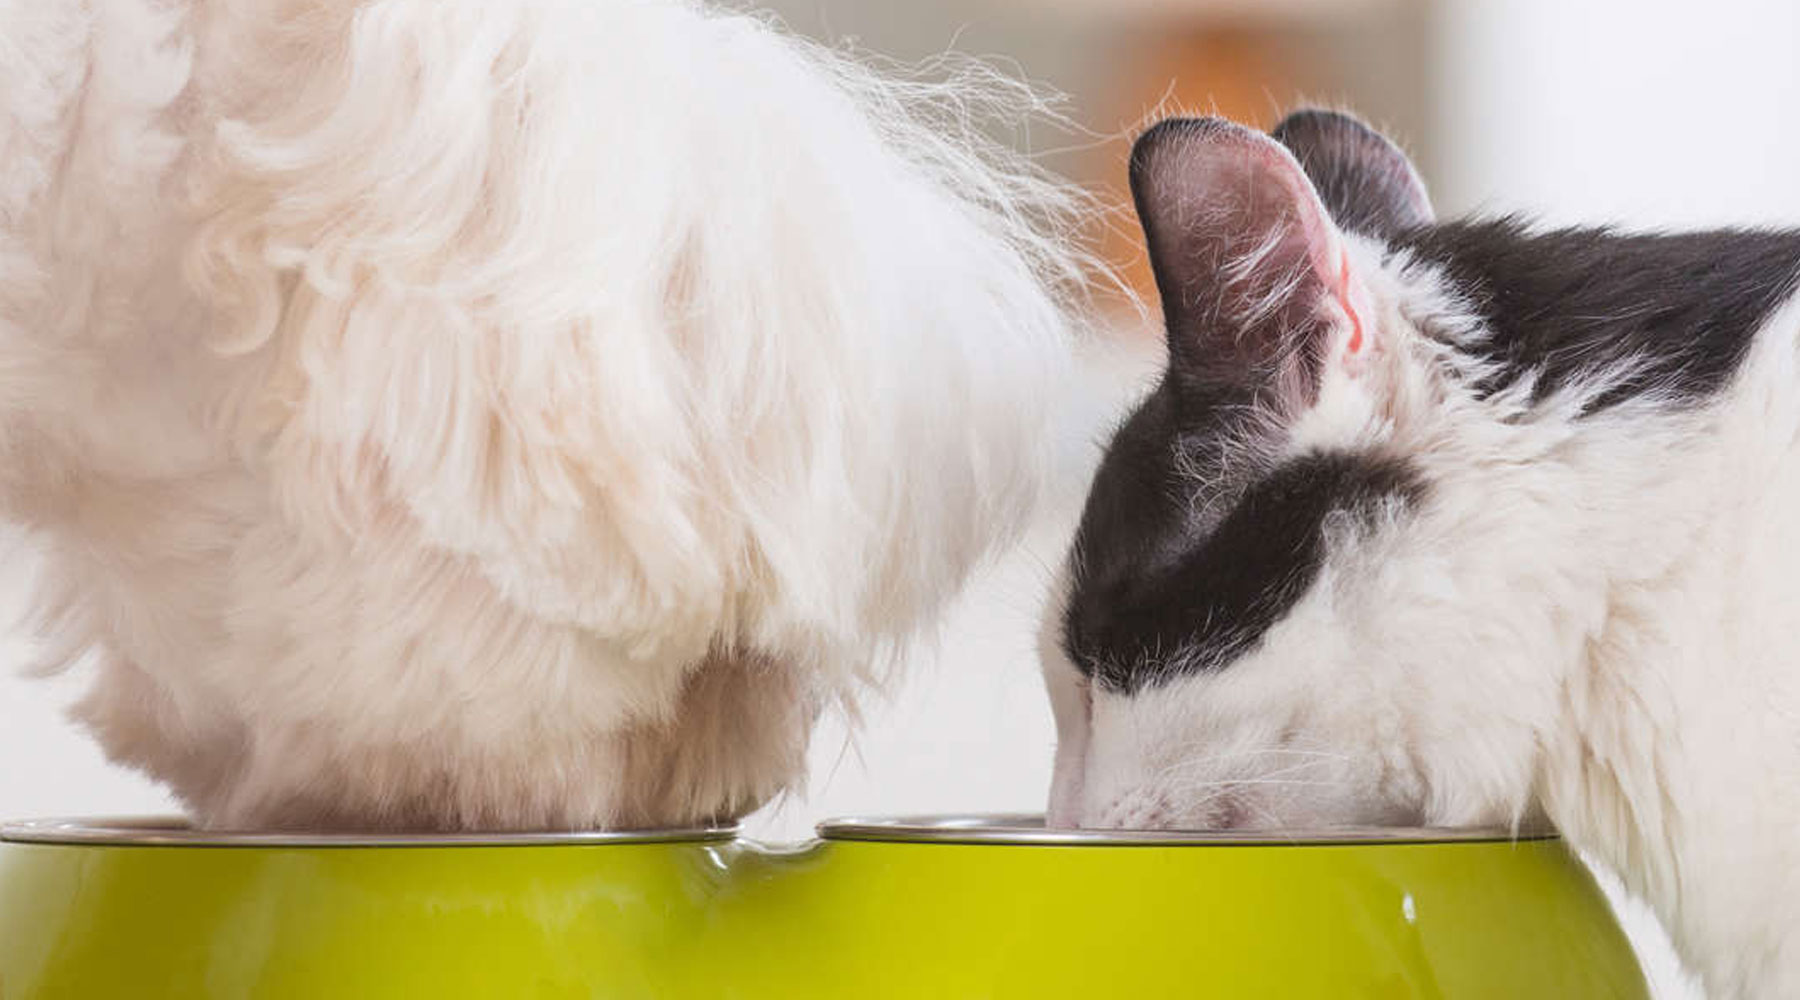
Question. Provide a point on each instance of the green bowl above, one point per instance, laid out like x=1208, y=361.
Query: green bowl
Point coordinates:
x=992, y=907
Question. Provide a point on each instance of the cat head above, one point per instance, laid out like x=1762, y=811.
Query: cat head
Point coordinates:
x=1257, y=627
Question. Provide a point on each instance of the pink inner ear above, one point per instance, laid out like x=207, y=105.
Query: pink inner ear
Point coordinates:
x=1325, y=247
x=1344, y=300
x=1247, y=261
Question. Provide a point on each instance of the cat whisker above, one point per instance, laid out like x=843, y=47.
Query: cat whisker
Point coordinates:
x=1230, y=784
x=1198, y=763
x=1258, y=752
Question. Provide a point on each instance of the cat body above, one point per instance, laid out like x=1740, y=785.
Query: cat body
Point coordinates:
x=1450, y=524
x=459, y=414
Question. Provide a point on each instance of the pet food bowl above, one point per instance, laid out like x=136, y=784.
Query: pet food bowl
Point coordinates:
x=988, y=907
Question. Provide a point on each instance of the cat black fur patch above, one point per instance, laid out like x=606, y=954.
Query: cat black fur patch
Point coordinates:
x=1573, y=302
x=1365, y=181
x=1156, y=596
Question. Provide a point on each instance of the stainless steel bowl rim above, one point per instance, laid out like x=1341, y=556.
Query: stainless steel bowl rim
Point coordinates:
x=998, y=829
x=169, y=831
x=1023, y=829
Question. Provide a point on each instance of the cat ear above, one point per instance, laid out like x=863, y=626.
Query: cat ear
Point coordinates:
x=1366, y=182
x=1257, y=290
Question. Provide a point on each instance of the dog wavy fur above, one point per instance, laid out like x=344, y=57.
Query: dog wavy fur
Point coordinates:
x=497, y=414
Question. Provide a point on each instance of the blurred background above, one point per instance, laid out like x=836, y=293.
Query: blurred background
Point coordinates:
x=1631, y=111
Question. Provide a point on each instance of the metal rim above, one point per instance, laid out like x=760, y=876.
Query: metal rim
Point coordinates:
x=1024, y=830
x=170, y=831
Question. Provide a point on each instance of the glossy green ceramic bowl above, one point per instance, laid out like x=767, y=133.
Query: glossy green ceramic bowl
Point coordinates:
x=930, y=908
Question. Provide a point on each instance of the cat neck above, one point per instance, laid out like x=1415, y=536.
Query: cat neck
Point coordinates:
x=1679, y=734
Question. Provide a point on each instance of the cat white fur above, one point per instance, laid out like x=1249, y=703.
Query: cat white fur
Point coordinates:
x=1591, y=621
x=501, y=413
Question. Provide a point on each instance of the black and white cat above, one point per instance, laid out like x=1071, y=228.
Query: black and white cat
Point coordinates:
x=1452, y=523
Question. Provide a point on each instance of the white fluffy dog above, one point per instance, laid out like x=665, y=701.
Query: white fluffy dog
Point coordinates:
x=495, y=414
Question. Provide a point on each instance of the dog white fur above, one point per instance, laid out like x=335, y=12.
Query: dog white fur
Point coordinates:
x=452, y=414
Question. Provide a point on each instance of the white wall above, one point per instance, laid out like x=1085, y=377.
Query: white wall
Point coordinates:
x=1652, y=112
